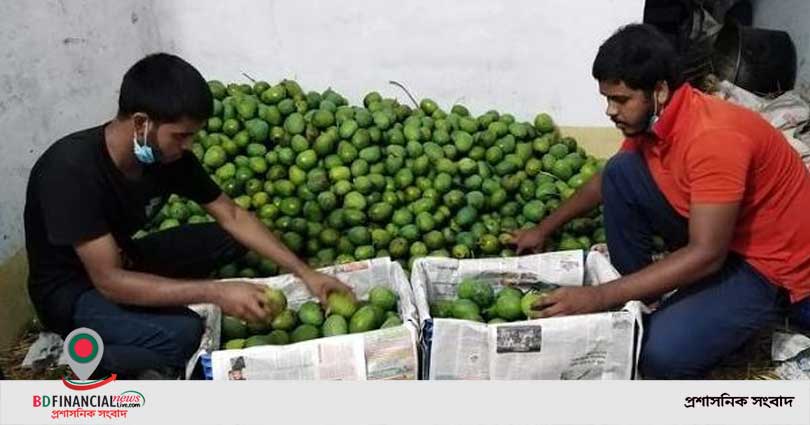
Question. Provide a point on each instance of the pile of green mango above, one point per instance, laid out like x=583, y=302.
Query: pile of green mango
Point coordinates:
x=339, y=183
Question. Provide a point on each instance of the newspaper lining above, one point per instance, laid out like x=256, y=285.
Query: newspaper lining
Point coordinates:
x=448, y=359
x=391, y=353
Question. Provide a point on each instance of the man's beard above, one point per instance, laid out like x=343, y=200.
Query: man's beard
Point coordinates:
x=626, y=129
x=636, y=130
x=632, y=133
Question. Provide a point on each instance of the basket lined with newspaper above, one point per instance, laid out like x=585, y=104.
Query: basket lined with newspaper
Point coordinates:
x=361, y=353
x=593, y=346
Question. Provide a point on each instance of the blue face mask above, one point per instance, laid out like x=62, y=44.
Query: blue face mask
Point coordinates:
x=144, y=153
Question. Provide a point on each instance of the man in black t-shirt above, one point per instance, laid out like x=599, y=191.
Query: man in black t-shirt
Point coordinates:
x=92, y=190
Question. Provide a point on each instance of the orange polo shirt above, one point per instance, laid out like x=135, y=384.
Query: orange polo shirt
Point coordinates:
x=706, y=150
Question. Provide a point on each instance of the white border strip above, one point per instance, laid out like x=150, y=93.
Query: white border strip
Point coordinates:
x=456, y=403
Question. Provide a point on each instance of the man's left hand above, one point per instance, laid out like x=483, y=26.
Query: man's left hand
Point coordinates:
x=571, y=300
x=321, y=285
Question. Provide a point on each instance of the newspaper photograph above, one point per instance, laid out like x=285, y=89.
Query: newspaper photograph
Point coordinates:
x=518, y=339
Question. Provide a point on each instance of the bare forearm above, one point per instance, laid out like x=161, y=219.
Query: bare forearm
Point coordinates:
x=143, y=289
x=251, y=233
x=678, y=270
x=584, y=200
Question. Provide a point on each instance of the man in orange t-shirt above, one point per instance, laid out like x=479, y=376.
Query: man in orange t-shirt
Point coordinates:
x=720, y=185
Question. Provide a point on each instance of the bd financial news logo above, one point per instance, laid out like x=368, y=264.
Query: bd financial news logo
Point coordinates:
x=84, y=350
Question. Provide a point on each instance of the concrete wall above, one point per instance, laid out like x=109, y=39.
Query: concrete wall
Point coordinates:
x=62, y=62
x=792, y=16
x=521, y=56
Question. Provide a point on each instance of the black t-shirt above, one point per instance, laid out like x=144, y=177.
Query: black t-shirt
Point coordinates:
x=76, y=193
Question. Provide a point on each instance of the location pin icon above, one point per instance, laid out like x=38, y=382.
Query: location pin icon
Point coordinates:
x=84, y=347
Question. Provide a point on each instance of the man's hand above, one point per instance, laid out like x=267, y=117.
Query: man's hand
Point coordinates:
x=585, y=199
x=251, y=233
x=321, y=285
x=529, y=240
x=241, y=299
x=573, y=300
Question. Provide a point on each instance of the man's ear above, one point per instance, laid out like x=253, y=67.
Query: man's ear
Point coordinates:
x=662, y=92
x=139, y=120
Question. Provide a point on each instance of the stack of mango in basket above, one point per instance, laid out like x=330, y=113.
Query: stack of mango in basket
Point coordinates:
x=477, y=301
x=342, y=315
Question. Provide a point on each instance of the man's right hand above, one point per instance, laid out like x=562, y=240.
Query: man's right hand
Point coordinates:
x=241, y=299
x=585, y=199
x=530, y=240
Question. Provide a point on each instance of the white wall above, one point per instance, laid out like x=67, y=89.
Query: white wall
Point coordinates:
x=62, y=63
x=522, y=56
x=792, y=16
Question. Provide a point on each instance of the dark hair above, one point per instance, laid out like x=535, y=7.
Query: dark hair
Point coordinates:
x=640, y=56
x=165, y=87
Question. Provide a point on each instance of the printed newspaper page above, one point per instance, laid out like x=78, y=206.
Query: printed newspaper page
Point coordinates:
x=460, y=350
x=391, y=353
x=564, y=268
x=593, y=346
x=296, y=362
x=341, y=358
